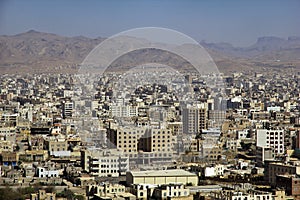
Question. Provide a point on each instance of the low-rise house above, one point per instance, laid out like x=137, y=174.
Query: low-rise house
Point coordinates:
x=171, y=191
x=47, y=172
x=42, y=195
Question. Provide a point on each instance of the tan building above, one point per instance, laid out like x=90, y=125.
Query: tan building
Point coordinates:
x=42, y=195
x=8, y=134
x=273, y=169
x=291, y=184
x=143, y=144
x=58, y=145
x=161, y=177
x=6, y=146
x=9, y=158
x=34, y=155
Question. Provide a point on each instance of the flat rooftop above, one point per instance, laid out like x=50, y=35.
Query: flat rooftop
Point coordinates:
x=162, y=173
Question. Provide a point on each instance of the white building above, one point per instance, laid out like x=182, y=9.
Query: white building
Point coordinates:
x=271, y=138
x=242, y=134
x=170, y=191
x=233, y=144
x=43, y=172
x=123, y=110
x=209, y=172
x=105, y=189
x=106, y=163
x=217, y=170
x=237, y=195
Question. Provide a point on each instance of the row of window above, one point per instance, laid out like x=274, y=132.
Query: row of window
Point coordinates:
x=109, y=171
x=158, y=132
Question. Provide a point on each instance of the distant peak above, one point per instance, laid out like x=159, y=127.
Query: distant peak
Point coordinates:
x=32, y=31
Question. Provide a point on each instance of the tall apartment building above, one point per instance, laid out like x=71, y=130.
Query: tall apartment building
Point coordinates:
x=68, y=108
x=271, y=138
x=143, y=144
x=194, y=119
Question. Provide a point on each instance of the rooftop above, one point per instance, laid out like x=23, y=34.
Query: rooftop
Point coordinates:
x=159, y=173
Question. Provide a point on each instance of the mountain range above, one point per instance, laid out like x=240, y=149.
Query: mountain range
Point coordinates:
x=35, y=51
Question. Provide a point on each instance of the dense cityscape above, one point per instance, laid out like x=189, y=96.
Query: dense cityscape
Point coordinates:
x=149, y=100
x=150, y=142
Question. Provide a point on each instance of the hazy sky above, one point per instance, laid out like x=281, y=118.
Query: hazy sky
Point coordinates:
x=239, y=22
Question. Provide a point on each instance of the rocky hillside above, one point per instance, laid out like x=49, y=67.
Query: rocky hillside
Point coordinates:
x=34, y=51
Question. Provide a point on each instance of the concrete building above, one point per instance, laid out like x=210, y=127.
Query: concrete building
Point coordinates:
x=262, y=154
x=58, y=146
x=291, y=184
x=217, y=170
x=161, y=177
x=9, y=158
x=105, y=189
x=68, y=108
x=8, y=134
x=42, y=195
x=46, y=172
x=239, y=195
x=105, y=163
x=194, y=119
x=143, y=145
x=273, y=169
x=171, y=191
x=271, y=138
x=142, y=191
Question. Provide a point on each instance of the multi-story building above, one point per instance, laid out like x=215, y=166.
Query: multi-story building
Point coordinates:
x=105, y=163
x=143, y=144
x=105, y=189
x=291, y=184
x=8, y=134
x=272, y=169
x=10, y=119
x=9, y=158
x=68, y=108
x=194, y=119
x=58, y=146
x=262, y=154
x=6, y=146
x=46, y=172
x=271, y=138
x=239, y=195
x=123, y=110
